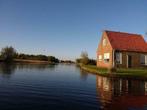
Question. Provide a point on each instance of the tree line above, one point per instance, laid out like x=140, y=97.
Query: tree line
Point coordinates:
x=8, y=54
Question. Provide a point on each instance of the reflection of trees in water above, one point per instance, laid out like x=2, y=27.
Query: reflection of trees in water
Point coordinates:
x=36, y=66
x=6, y=69
x=121, y=94
x=83, y=74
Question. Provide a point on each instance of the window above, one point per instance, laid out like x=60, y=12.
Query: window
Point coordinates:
x=104, y=42
x=106, y=57
x=100, y=57
x=143, y=59
x=118, y=58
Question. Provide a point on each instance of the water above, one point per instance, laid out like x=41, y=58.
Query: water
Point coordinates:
x=66, y=87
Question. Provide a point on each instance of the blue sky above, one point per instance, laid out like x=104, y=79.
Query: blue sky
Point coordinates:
x=64, y=28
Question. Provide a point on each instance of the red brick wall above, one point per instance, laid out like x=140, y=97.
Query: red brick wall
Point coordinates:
x=135, y=59
x=104, y=49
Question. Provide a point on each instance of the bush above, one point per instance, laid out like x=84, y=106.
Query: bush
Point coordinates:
x=53, y=59
x=8, y=54
x=92, y=62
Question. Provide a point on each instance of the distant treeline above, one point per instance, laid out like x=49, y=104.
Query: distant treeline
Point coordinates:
x=67, y=61
x=37, y=57
x=8, y=54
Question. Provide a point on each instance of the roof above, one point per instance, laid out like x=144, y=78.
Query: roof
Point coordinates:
x=127, y=41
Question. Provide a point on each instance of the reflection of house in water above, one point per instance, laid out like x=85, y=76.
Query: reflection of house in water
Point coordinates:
x=121, y=94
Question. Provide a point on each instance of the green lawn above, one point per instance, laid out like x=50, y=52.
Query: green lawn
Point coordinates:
x=139, y=72
x=94, y=69
x=132, y=72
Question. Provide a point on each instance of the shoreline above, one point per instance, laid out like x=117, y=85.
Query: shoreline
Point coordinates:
x=30, y=61
x=118, y=74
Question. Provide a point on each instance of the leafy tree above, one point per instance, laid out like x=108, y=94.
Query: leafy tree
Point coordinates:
x=8, y=53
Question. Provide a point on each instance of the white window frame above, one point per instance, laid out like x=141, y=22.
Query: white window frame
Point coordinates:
x=106, y=57
x=100, y=58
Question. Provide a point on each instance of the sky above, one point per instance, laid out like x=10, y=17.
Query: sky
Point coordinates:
x=65, y=28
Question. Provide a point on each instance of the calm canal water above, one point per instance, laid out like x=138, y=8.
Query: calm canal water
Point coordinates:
x=66, y=87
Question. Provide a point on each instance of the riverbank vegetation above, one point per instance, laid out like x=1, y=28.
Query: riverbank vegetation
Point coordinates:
x=87, y=64
x=25, y=57
x=132, y=71
x=85, y=60
x=94, y=69
x=9, y=54
x=117, y=71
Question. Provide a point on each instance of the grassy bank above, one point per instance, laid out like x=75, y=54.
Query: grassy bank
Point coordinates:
x=132, y=72
x=94, y=69
x=120, y=72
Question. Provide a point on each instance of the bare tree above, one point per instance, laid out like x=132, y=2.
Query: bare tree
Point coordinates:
x=84, y=58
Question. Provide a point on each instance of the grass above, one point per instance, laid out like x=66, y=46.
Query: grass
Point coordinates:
x=119, y=72
x=94, y=69
x=132, y=72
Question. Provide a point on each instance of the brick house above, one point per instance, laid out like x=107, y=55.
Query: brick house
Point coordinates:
x=124, y=50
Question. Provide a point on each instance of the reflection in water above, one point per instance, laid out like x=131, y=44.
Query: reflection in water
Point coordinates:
x=64, y=90
x=83, y=74
x=121, y=94
x=36, y=66
x=7, y=69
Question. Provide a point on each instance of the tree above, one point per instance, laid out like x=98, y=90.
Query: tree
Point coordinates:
x=42, y=57
x=53, y=59
x=8, y=53
x=84, y=58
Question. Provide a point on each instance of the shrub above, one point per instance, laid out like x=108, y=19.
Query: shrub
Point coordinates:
x=8, y=54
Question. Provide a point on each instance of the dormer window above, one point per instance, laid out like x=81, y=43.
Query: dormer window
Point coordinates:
x=104, y=42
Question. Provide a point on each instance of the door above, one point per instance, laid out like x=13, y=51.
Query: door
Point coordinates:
x=129, y=61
